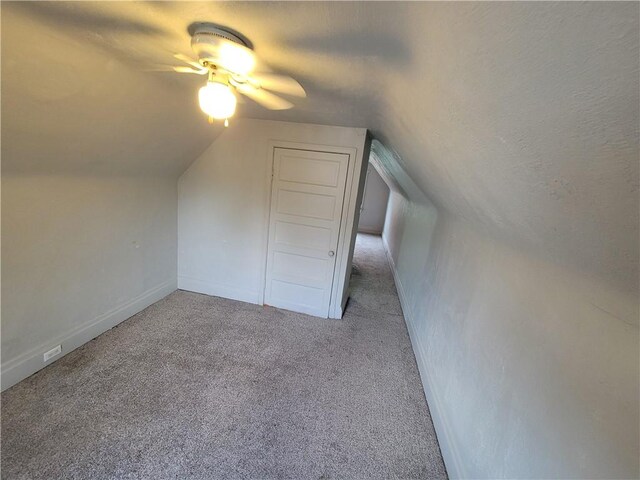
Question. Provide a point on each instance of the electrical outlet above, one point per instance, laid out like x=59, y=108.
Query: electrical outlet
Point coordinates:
x=52, y=353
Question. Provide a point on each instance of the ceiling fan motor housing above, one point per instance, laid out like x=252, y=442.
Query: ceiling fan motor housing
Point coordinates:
x=207, y=40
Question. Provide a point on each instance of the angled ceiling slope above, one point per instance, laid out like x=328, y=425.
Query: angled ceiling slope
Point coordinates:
x=521, y=118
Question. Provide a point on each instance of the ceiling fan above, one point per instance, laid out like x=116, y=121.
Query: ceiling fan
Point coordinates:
x=231, y=67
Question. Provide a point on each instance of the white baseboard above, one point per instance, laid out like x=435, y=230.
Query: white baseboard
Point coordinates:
x=443, y=432
x=30, y=362
x=218, y=290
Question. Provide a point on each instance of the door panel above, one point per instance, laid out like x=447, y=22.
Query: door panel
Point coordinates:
x=292, y=234
x=304, y=226
x=296, y=297
x=306, y=204
x=301, y=266
x=312, y=172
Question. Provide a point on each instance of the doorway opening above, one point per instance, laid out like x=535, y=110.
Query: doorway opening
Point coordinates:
x=371, y=284
x=373, y=209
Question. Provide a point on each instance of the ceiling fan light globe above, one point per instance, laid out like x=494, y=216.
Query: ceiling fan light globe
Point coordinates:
x=217, y=100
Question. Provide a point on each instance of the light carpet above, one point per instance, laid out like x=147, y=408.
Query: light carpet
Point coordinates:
x=202, y=387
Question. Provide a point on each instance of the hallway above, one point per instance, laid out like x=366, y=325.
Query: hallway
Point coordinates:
x=204, y=387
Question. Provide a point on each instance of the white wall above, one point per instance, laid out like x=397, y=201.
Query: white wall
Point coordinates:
x=90, y=160
x=223, y=205
x=374, y=205
x=79, y=255
x=531, y=369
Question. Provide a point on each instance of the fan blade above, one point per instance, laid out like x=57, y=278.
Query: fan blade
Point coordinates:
x=159, y=68
x=174, y=68
x=279, y=83
x=187, y=60
x=202, y=71
x=264, y=98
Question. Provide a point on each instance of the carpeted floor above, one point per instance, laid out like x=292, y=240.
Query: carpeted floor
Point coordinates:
x=206, y=388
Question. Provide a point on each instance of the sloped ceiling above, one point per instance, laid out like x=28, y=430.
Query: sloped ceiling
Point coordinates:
x=520, y=117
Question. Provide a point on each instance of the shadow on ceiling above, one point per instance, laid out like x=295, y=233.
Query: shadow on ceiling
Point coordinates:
x=380, y=46
x=77, y=16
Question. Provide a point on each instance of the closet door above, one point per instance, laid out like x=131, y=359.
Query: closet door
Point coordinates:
x=306, y=205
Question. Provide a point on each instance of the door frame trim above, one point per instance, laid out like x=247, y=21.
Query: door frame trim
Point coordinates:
x=348, y=216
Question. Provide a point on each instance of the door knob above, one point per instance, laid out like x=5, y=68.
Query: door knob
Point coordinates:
x=331, y=253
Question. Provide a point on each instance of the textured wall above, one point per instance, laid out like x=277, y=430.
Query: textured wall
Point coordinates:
x=92, y=110
x=75, y=251
x=531, y=369
x=91, y=151
x=522, y=119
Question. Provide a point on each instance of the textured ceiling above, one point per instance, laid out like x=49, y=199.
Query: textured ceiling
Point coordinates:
x=520, y=117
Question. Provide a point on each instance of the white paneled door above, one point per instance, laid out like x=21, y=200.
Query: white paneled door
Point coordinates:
x=304, y=226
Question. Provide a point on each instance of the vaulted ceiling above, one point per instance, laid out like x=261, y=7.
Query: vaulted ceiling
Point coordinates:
x=521, y=118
